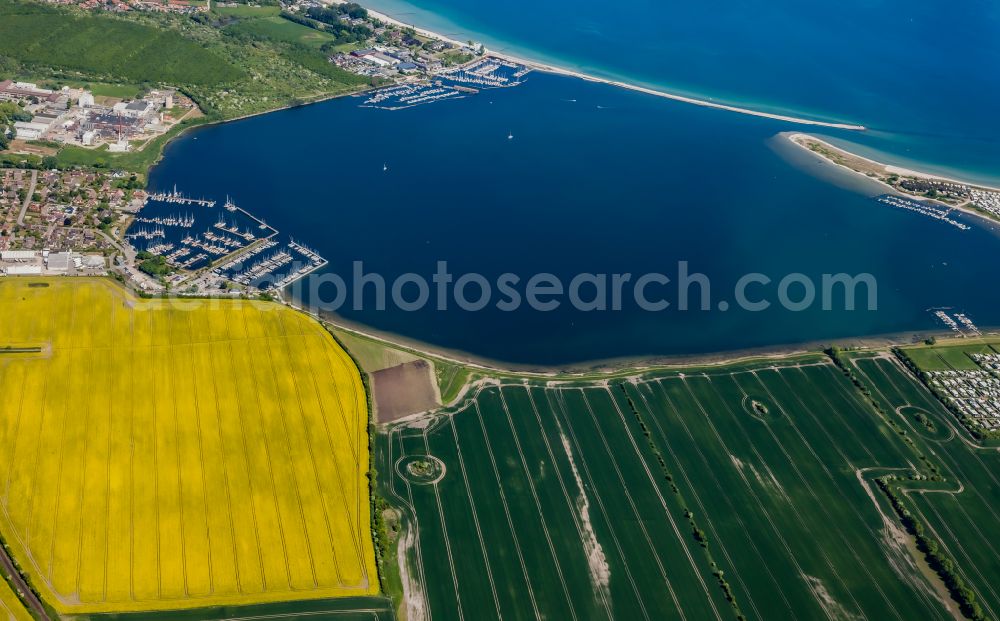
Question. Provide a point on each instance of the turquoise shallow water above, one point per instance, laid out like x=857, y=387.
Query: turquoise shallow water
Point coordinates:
x=596, y=179
x=923, y=77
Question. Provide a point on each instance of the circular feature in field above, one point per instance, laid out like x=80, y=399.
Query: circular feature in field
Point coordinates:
x=421, y=469
x=924, y=424
x=758, y=407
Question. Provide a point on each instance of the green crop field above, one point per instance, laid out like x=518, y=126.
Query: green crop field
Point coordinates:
x=963, y=517
x=247, y=11
x=279, y=29
x=947, y=357
x=743, y=490
x=39, y=35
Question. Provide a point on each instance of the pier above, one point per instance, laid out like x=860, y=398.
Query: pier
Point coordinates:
x=185, y=221
x=145, y=233
x=925, y=209
x=409, y=95
x=265, y=267
x=308, y=252
x=238, y=246
x=161, y=248
x=483, y=73
x=235, y=261
x=489, y=72
x=959, y=323
x=177, y=198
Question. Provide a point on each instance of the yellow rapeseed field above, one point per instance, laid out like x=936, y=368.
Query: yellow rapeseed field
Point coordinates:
x=11, y=608
x=163, y=454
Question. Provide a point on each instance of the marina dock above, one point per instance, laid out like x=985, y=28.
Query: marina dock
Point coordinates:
x=484, y=73
x=927, y=209
x=232, y=244
x=177, y=198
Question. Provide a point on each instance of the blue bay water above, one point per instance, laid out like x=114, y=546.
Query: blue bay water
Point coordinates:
x=597, y=179
x=922, y=76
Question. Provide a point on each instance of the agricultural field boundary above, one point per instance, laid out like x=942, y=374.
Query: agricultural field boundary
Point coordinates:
x=294, y=513
x=805, y=506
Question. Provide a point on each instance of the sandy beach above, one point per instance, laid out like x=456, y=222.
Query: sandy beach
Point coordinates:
x=796, y=138
x=625, y=365
x=633, y=87
x=889, y=169
x=666, y=95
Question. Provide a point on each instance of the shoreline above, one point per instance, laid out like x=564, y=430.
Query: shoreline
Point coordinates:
x=205, y=121
x=628, y=364
x=549, y=68
x=622, y=364
x=889, y=169
x=673, y=96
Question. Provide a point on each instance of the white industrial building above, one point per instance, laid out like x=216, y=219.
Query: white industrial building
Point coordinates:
x=18, y=255
x=23, y=270
x=134, y=109
x=27, y=130
x=16, y=91
x=58, y=261
x=94, y=261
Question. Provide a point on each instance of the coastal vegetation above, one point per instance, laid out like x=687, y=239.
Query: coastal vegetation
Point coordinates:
x=949, y=193
x=452, y=379
x=373, y=356
x=331, y=20
x=210, y=453
x=713, y=472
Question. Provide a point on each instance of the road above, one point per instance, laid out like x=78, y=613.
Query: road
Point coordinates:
x=127, y=251
x=20, y=585
x=27, y=199
x=130, y=268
